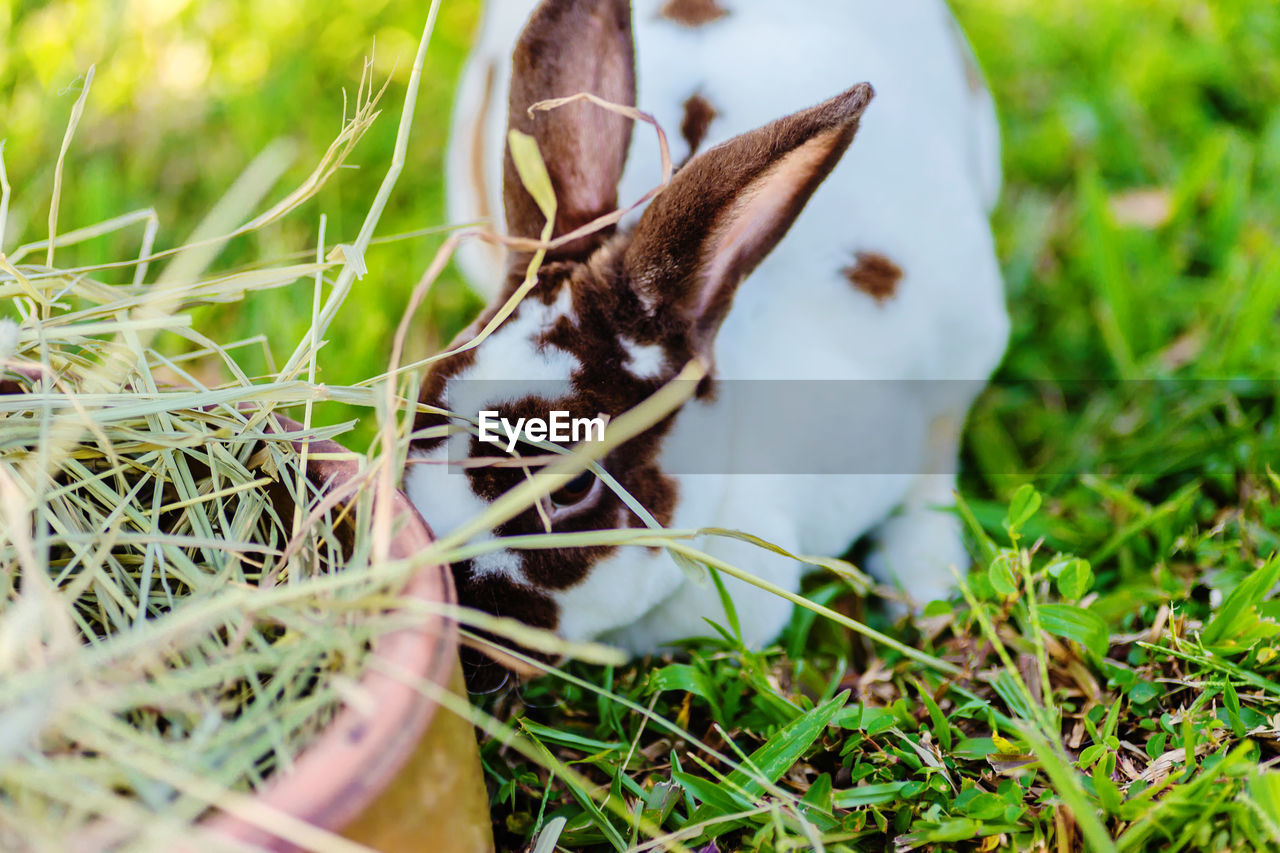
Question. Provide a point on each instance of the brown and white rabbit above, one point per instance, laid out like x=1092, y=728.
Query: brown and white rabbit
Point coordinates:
x=889, y=274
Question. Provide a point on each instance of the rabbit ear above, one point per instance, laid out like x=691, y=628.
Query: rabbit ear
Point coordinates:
x=728, y=208
x=572, y=46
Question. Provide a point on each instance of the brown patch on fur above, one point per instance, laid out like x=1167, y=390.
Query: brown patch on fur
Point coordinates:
x=604, y=312
x=698, y=115
x=500, y=596
x=874, y=274
x=633, y=464
x=569, y=47
x=693, y=13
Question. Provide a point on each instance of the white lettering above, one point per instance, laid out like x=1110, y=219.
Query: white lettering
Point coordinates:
x=559, y=428
x=589, y=424
x=485, y=426
x=513, y=434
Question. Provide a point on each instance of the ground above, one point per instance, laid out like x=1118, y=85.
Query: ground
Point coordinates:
x=1114, y=654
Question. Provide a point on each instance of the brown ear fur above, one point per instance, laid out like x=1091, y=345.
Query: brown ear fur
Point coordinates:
x=572, y=46
x=727, y=209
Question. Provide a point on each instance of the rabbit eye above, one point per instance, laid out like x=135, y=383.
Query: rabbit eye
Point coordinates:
x=575, y=490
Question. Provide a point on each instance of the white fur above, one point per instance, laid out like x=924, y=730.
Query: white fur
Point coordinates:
x=511, y=354
x=443, y=495
x=644, y=360
x=917, y=186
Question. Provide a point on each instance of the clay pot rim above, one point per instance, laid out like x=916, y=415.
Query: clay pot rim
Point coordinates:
x=341, y=772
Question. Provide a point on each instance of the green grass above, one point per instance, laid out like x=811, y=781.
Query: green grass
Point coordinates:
x=1117, y=647
x=185, y=96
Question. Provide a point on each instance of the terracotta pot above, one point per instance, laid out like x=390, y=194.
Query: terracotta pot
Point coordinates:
x=405, y=779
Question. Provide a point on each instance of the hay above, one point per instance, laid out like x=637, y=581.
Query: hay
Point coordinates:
x=176, y=602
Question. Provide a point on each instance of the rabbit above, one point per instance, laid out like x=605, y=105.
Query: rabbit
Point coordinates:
x=771, y=255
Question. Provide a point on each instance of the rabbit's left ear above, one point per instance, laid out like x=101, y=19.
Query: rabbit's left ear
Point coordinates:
x=727, y=209
x=572, y=46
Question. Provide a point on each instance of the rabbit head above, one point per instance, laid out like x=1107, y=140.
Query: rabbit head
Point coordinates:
x=613, y=316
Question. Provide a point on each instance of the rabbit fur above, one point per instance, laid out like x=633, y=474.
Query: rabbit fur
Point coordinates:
x=888, y=272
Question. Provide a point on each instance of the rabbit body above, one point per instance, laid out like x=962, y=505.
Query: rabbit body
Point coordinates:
x=889, y=273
